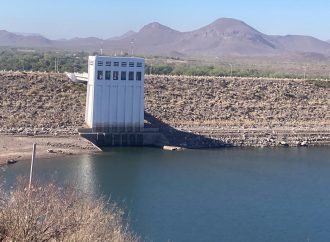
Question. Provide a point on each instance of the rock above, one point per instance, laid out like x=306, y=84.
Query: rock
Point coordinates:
x=284, y=143
x=10, y=162
x=51, y=151
x=172, y=148
x=304, y=143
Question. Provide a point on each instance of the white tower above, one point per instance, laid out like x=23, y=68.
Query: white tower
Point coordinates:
x=115, y=94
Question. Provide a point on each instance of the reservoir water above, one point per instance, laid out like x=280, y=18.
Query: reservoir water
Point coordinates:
x=275, y=194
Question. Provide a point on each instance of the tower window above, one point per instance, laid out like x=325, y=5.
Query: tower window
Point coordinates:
x=131, y=64
x=123, y=76
x=115, y=75
x=99, y=75
x=124, y=64
x=138, y=76
x=131, y=75
x=100, y=63
x=108, y=63
x=139, y=64
x=116, y=63
x=107, y=75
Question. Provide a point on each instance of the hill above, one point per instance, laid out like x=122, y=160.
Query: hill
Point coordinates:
x=223, y=37
x=23, y=40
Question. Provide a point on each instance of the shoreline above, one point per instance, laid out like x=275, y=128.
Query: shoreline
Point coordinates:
x=19, y=147
x=252, y=137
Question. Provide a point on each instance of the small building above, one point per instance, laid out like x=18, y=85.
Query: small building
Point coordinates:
x=115, y=94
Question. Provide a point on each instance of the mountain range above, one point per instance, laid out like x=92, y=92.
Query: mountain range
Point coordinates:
x=223, y=37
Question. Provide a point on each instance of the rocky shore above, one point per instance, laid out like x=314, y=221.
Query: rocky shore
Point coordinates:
x=191, y=111
x=215, y=111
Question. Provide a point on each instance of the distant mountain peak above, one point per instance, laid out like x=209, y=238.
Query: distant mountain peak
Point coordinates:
x=155, y=26
x=224, y=36
x=228, y=21
x=229, y=25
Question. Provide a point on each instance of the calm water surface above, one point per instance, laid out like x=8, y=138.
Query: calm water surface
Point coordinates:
x=206, y=195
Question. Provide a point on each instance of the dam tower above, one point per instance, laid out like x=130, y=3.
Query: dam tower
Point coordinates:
x=115, y=94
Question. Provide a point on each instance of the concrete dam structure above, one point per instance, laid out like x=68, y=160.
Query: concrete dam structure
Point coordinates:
x=115, y=94
x=115, y=103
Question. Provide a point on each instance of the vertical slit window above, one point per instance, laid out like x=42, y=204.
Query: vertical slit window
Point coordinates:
x=99, y=75
x=131, y=75
x=107, y=75
x=139, y=76
x=123, y=75
x=115, y=75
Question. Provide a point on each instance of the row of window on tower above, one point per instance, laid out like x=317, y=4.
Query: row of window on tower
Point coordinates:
x=117, y=64
x=124, y=75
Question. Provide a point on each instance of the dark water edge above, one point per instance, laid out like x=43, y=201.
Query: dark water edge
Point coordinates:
x=233, y=194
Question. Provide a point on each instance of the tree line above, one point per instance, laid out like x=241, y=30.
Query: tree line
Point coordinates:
x=76, y=61
x=32, y=60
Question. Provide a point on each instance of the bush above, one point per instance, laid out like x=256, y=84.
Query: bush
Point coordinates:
x=50, y=213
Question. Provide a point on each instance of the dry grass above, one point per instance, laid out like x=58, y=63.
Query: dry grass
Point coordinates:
x=50, y=213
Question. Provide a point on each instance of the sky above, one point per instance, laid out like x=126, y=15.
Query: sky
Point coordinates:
x=56, y=19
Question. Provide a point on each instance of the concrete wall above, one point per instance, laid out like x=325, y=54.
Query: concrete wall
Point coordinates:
x=115, y=104
x=156, y=139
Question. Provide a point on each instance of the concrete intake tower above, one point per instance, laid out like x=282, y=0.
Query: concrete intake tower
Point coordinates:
x=115, y=94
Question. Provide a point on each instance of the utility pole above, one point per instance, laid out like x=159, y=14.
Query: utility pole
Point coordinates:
x=32, y=162
x=56, y=65
x=132, y=45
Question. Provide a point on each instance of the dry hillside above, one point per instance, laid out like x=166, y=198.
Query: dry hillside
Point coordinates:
x=40, y=103
x=244, y=102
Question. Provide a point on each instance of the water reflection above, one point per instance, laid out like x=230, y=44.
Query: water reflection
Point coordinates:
x=86, y=175
x=206, y=195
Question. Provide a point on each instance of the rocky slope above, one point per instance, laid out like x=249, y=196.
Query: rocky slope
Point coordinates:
x=236, y=111
x=241, y=102
x=40, y=103
x=240, y=111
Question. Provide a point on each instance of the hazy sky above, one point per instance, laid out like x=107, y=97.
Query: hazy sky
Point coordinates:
x=107, y=18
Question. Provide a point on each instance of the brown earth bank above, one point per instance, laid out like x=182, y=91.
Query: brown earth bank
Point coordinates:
x=13, y=147
x=191, y=111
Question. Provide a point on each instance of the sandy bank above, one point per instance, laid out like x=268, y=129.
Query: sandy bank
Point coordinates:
x=20, y=147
